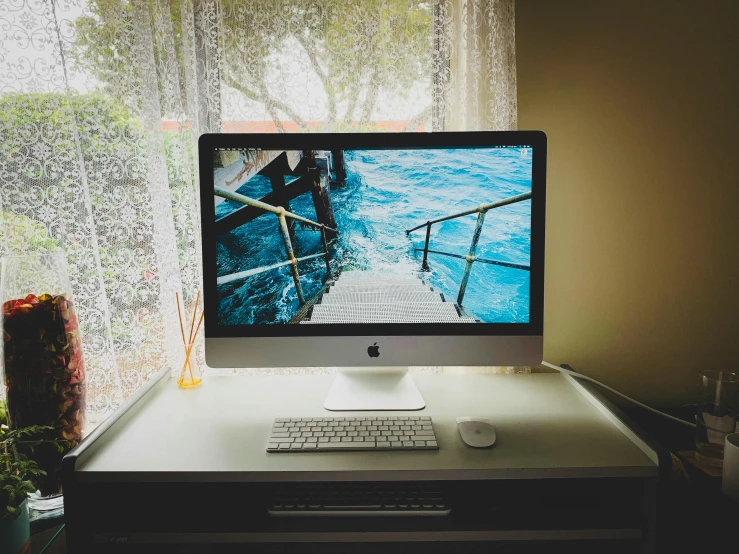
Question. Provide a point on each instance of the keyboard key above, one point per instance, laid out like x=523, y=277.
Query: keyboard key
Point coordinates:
x=408, y=443
x=425, y=433
x=282, y=441
x=309, y=445
x=357, y=439
x=348, y=505
x=419, y=443
x=318, y=434
x=323, y=439
x=284, y=446
x=346, y=439
x=425, y=418
x=296, y=446
x=352, y=434
x=280, y=435
x=346, y=445
x=312, y=439
x=300, y=439
x=307, y=434
x=431, y=443
x=396, y=444
x=273, y=446
x=334, y=439
x=341, y=433
x=383, y=445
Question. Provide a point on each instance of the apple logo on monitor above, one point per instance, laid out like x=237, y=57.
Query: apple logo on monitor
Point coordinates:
x=373, y=351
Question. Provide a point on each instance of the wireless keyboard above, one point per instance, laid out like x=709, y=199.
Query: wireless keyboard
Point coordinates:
x=322, y=434
x=358, y=500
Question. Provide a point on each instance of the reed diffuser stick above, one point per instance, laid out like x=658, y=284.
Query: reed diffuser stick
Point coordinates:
x=192, y=344
x=182, y=330
x=188, y=347
x=194, y=315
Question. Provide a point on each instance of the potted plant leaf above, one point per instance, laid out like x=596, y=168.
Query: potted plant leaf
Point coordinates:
x=16, y=472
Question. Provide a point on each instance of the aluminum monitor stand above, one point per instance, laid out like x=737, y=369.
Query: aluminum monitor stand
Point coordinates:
x=373, y=388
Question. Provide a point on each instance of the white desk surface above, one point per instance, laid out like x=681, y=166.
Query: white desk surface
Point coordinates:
x=546, y=427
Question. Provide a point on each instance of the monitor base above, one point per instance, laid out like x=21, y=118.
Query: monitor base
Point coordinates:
x=374, y=389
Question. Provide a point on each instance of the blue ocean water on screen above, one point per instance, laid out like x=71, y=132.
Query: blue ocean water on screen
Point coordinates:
x=387, y=192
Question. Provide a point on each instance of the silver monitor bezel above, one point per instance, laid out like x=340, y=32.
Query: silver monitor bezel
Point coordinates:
x=401, y=343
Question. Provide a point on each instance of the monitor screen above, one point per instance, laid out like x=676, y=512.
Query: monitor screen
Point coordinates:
x=371, y=234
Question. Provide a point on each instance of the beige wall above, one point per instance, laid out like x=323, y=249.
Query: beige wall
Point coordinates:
x=640, y=100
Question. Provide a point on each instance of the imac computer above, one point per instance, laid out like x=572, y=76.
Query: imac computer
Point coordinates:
x=371, y=252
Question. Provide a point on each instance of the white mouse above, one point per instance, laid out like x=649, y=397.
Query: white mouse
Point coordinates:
x=477, y=432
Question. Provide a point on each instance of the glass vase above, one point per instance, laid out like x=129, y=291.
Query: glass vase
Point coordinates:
x=44, y=372
x=190, y=373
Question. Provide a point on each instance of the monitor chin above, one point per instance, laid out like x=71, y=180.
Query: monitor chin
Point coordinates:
x=374, y=388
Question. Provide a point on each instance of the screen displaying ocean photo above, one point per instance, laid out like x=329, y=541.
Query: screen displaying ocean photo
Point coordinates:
x=373, y=236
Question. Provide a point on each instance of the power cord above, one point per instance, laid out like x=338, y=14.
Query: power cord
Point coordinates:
x=564, y=368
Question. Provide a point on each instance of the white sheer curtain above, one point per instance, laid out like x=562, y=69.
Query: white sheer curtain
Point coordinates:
x=101, y=103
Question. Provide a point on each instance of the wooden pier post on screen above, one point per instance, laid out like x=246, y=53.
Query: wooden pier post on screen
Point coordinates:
x=339, y=167
x=321, y=192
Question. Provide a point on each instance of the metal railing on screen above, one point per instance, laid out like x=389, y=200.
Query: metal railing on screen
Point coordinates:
x=471, y=256
x=292, y=261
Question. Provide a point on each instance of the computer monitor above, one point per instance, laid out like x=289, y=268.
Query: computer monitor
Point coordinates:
x=371, y=252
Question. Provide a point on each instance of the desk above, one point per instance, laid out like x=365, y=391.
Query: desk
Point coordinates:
x=557, y=441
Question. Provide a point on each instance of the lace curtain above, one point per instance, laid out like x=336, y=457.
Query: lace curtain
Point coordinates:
x=102, y=101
